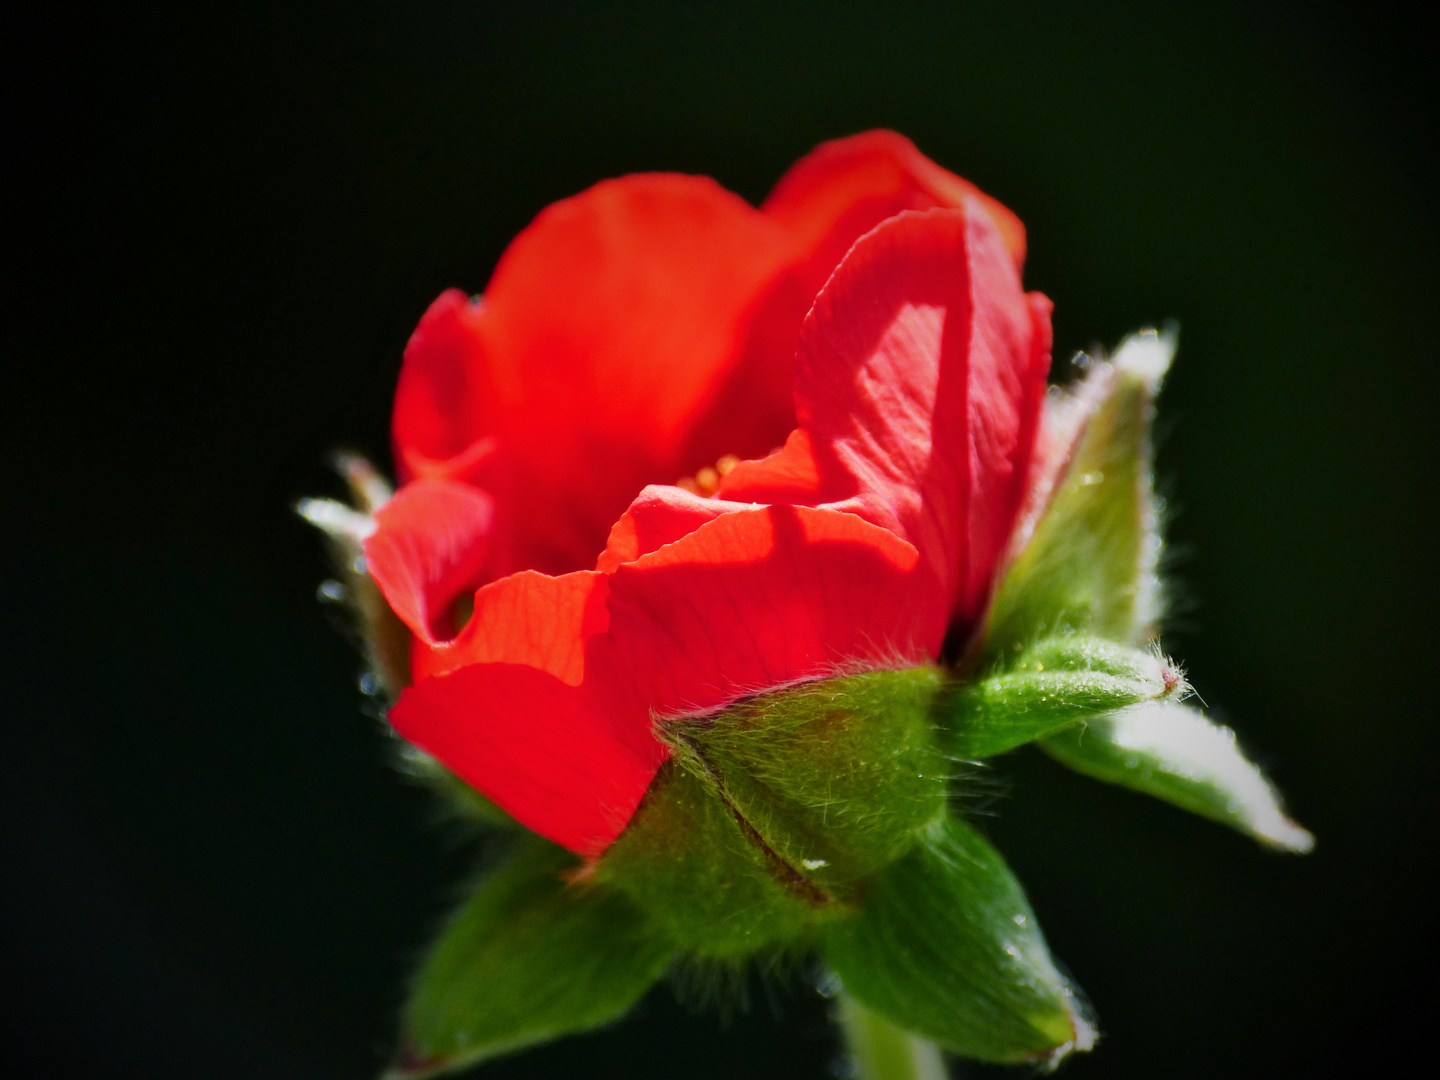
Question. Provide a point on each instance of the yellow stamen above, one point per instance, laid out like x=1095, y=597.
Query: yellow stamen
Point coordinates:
x=706, y=481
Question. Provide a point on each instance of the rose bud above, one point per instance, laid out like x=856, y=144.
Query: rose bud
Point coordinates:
x=722, y=535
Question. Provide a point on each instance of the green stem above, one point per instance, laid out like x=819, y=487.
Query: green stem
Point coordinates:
x=882, y=1051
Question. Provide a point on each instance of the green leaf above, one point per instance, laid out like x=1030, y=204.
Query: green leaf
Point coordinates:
x=1090, y=562
x=532, y=955
x=1054, y=683
x=946, y=946
x=1175, y=753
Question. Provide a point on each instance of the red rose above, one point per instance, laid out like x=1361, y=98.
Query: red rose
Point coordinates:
x=643, y=331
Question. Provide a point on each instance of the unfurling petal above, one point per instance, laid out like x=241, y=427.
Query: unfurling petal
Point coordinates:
x=435, y=417
x=760, y=599
x=660, y=515
x=826, y=202
x=844, y=188
x=918, y=384
x=546, y=752
x=751, y=601
x=526, y=618
x=430, y=546
x=605, y=330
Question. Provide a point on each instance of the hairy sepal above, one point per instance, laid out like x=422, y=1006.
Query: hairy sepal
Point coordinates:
x=1055, y=683
x=533, y=954
x=706, y=879
x=771, y=815
x=382, y=637
x=1175, y=753
x=1088, y=561
x=946, y=946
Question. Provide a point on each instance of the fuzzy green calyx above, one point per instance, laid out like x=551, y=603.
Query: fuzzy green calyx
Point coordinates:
x=703, y=879
x=1051, y=685
x=382, y=637
x=947, y=947
x=1087, y=570
x=532, y=954
x=766, y=823
x=1090, y=563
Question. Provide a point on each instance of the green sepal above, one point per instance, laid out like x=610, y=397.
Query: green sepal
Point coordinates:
x=771, y=814
x=1055, y=683
x=946, y=946
x=536, y=952
x=382, y=637
x=1090, y=563
x=836, y=775
x=706, y=880
x=1175, y=753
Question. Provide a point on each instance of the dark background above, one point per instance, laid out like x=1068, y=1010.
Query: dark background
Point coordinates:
x=223, y=226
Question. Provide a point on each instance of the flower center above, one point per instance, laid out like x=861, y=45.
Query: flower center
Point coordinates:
x=706, y=481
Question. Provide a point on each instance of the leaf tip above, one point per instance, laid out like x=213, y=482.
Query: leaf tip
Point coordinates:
x=1146, y=356
x=410, y=1064
x=1076, y=1033
x=1286, y=835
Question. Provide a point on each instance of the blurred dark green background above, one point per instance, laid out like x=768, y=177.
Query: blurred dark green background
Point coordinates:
x=223, y=226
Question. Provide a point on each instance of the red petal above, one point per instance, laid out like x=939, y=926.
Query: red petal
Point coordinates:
x=544, y=751
x=431, y=544
x=526, y=618
x=827, y=201
x=919, y=377
x=760, y=599
x=843, y=189
x=1009, y=363
x=792, y=475
x=434, y=417
x=475, y=465
x=508, y=708
x=752, y=601
x=603, y=333
x=660, y=515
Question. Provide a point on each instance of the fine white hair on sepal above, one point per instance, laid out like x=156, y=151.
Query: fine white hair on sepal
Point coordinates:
x=884, y=658
x=1082, y=1020
x=335, y=519
x=370, y=489
x=1146, y=354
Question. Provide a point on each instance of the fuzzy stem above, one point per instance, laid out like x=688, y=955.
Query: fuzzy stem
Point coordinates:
x=882, y=1051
